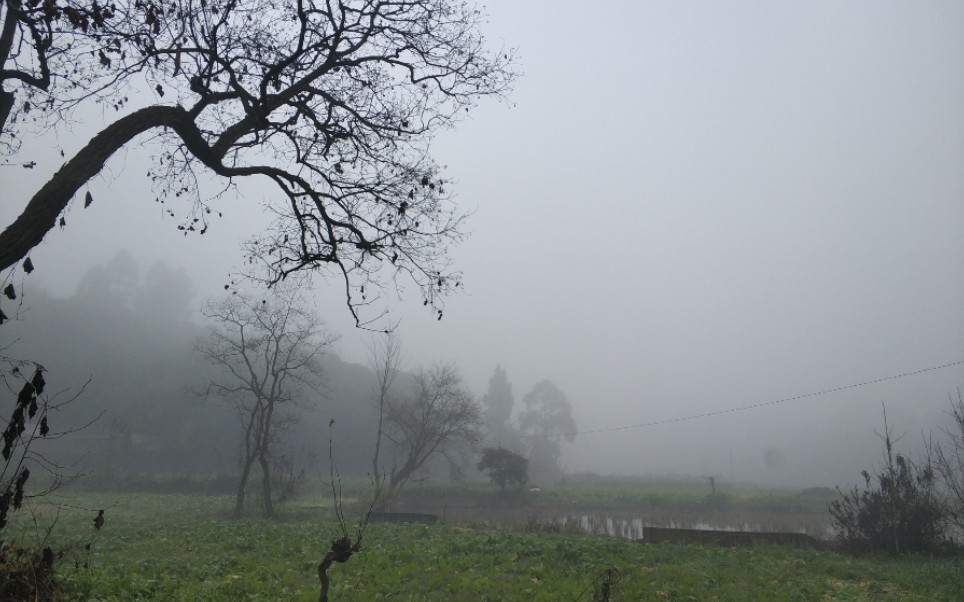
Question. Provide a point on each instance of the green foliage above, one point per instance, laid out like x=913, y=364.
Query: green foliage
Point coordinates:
x=505, y=467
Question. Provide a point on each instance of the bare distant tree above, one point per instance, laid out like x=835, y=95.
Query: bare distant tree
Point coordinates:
x=269, y=350
x=385, y=358
x=333, y=103
x=438, y=417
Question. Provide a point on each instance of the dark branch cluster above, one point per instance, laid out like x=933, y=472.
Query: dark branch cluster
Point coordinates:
x=335, y=103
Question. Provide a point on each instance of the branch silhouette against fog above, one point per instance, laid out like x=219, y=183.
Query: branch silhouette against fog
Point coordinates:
x=438, y=417
x=269, y=350
x=333, y=103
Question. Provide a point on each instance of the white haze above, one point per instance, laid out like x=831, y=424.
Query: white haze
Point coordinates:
x=691, y=207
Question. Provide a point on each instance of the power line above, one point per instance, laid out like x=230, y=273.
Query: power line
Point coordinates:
x=758, y=405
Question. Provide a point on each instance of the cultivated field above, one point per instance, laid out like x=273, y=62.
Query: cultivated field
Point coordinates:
x=186, y=547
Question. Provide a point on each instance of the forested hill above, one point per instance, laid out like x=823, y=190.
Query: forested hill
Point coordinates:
x=131, y=334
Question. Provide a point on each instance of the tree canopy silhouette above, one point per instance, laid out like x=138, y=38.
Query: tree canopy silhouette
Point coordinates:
x=334, y=103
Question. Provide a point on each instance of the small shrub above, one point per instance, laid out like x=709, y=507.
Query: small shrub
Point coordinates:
x=949, y=458
x=897, y=511
x=27, y=574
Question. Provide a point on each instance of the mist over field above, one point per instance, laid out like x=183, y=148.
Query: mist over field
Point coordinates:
x=729, y=233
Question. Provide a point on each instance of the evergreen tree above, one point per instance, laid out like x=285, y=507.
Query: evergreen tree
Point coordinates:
x=497, y=411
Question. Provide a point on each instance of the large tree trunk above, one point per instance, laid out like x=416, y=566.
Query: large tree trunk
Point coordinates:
x=396, y=481
x=40, y=215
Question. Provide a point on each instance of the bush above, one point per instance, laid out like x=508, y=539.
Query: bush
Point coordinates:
x=27, y=574
x=900, y=512
x=505, y=467
x=949, y=457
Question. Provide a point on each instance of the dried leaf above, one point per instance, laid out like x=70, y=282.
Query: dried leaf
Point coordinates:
x=38, y=381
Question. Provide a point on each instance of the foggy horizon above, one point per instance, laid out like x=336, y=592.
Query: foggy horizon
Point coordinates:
x=682, y=211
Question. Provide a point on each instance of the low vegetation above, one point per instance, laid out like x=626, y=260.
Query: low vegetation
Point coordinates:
x=188, y=547
x=898, y=510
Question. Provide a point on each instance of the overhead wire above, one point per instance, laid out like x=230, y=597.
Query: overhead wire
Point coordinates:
x=746, y=408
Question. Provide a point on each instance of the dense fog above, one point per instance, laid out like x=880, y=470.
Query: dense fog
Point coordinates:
x=124, y=344
x=729, y=236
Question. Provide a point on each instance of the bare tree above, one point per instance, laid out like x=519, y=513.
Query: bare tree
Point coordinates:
x=385, y=358
x=269, y=350
x=438, y=417
x=334, y=103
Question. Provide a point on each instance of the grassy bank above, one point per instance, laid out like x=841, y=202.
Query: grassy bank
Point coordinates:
x=180, y=547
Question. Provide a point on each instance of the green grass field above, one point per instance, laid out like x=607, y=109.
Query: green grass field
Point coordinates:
x=185, y=547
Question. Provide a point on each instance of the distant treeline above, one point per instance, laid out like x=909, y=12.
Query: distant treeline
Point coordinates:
x=124, y=341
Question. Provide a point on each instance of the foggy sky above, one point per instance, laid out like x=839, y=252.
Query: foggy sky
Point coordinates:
x=688, y=207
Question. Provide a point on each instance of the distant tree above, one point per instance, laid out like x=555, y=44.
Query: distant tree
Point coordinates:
x=545, y=423
x=333, y=104
x=385, y=357
x=132, y=338
x=165, y=295
x=111, y=288
x=437, y=418
x=505, y=467
x=949, y=459
x=269, y=350
x=497, y=405
x=897, y=511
